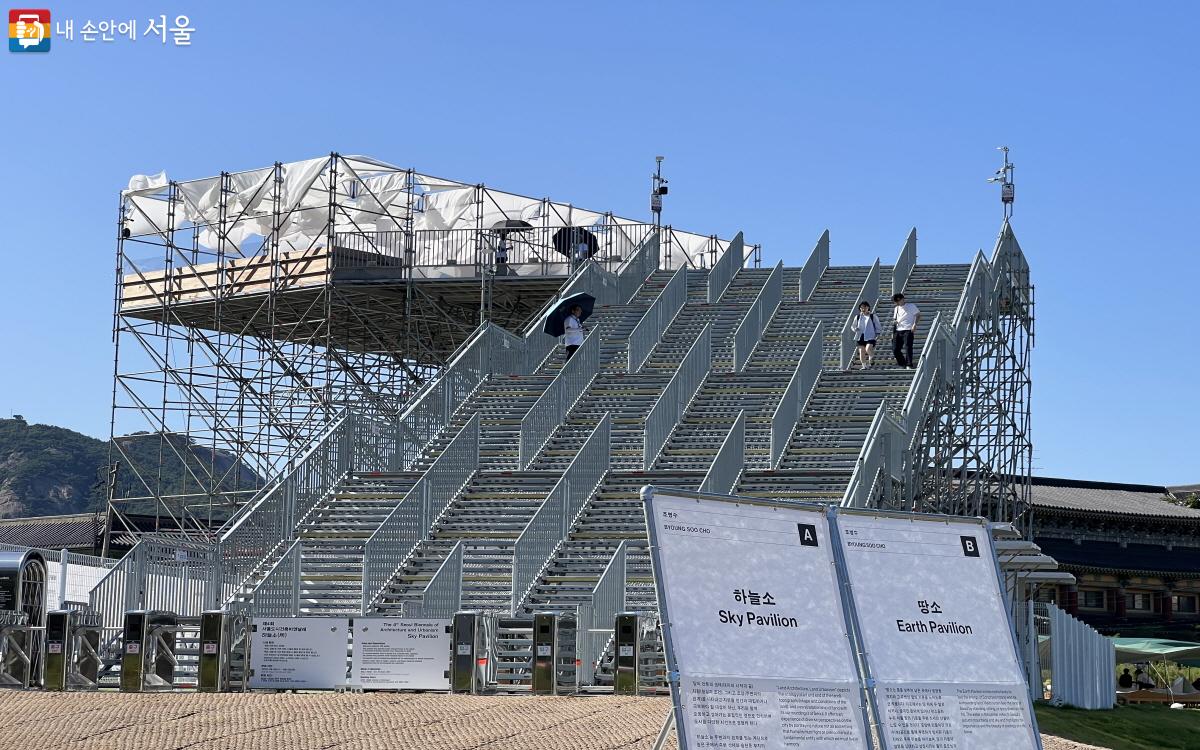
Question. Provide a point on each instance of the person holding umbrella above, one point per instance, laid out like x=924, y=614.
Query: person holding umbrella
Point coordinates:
x=566, y=318
x=573, y=331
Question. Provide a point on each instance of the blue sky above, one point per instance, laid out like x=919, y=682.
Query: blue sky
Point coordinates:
x=781, y=119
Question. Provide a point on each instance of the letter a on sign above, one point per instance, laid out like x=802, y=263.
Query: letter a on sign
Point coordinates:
x=970, y=546
x=808, y=534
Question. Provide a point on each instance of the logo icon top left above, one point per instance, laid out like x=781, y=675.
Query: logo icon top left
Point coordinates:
x=29, y=30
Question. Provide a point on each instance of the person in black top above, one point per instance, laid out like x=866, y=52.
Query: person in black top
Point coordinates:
x=1125, y=680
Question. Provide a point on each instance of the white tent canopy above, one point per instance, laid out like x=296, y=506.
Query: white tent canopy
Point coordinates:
x=238, y=210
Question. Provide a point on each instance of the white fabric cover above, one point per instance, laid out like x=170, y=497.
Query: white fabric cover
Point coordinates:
x=372, y=196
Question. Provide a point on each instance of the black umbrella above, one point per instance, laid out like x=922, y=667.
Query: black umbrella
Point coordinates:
x=553, y=322
x=509, y=226
x=568, y=238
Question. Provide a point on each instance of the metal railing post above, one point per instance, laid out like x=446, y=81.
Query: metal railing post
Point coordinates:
x=791, y=406
x=754, y=323
x=904, y=264
x=814, y=267
x=729, y=460
x=675, y=397
x=725, y=269
x=552, y=522
x=648, y=332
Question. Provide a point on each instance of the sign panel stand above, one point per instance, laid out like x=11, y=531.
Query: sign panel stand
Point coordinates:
x=392, y=653
x=299, y=653
x=754, y=624
x=940, y=658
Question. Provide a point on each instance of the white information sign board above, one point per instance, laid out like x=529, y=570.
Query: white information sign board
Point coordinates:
x=391, y=653
x=939, y=645
x=298, y=653
x=754, y=626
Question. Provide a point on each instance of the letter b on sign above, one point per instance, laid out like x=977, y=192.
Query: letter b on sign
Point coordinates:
x=808, y=534
x=970, y=546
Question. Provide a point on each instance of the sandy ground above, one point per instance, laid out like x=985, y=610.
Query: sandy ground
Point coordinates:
x=330, y=721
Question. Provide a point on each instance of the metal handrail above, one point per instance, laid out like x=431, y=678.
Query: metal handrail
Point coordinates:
x=597, y=614
x=466, y=350
x=800, y=388
x=273, y=518
x=928, y=363
x=637, y=268
x=552, y=407
x=673, y=402
x=442, y=595
x=758, y=316
x=262, y=495
x=354, y=442
x=647, y=334
x=391, y=544
x=469, y=251
x=969, y=296
x=726, y=269
x=552, y=522
x=722, y=476
x=814, y=267
x=881, y=452
x=278, y=594
x=904, y=264
x=868, y=293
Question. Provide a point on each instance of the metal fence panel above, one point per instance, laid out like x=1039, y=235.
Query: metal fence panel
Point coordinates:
x=674, y=400
x=554, y=518
x=647, y=334
x=729, y=461
x=758, y=316
x=278, y=593
x=1082, y=663
x=466, y=253
x=157, y=573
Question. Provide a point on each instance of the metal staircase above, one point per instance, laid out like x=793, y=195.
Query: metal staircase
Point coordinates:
x=520, y=493
x=498, y=503
x=830, y=435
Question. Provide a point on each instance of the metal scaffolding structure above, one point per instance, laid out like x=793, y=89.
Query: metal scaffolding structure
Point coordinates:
x=975, y=454
x=252, y=307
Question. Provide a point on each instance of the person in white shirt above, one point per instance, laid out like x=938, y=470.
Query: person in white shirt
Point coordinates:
x=574, y=333
x=866, y=330
x=906, y=317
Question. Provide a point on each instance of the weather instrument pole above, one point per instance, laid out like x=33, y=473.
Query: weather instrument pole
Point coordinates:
x=1004, y=176
x=658, y=188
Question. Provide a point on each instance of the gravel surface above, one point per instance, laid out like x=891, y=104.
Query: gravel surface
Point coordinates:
x=330, y=721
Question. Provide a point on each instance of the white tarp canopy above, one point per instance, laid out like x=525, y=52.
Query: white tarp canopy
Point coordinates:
x=372, y=196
